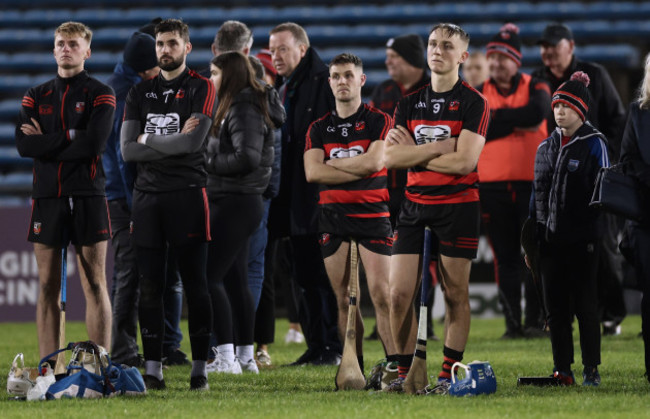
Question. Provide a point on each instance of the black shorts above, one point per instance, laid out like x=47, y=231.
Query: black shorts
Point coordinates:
x=455, y=225
x=375, y=234
x=176, y=217
x=80, y=220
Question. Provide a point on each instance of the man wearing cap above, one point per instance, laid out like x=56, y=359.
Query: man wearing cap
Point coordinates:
x=139, y=62
x=519, y=104
x=406, y=66
x=606, y=114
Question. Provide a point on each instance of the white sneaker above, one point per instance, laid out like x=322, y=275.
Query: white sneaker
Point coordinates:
x=294, y=336
x=248, y=366
x=220, y=364
x=21, y=379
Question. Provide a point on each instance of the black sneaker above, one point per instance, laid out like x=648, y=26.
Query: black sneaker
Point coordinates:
x=135, y=361
x=513, y=334
x=590, y=377
x=372, y=336
x=308, y=357
x=152, y=383
x=199, y=383
x=176, y=357
x=328, y=358
x=535, y=333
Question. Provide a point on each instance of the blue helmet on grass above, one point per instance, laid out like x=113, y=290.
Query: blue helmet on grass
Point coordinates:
x=479, y=379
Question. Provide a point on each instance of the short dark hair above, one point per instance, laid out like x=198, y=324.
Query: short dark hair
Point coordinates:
x=174, y=25
x=450, y=30
x=296, y=30
x=346, y=58
x=232, y=36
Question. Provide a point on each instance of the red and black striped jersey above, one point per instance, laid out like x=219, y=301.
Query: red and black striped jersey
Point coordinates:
x=75, y=115
x=432, y=116
x=162, y=107
x=349, y=137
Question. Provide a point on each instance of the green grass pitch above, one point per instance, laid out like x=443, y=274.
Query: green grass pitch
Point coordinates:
x=307, y=392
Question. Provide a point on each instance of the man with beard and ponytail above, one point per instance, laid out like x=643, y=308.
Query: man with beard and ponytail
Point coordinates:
x=519, y=104
x=166, y=122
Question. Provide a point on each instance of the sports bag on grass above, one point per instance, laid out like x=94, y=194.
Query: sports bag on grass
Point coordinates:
x=91, y=374
x=618, y=193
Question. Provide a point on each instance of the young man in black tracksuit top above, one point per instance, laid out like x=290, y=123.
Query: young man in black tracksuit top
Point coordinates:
x=63, y=126
x=568, y=230
x=166, y=122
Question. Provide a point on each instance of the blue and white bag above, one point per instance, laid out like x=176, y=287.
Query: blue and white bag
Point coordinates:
x=91, y=374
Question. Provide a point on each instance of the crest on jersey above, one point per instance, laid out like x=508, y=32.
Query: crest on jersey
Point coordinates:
x=45, y=109
x=429, y=133
x=79, y=107
x=163, y=124
x=341, y=152
x=360, y=126
x=180, y=94
x=453, y=105
x=37, y=228
x=324, y=239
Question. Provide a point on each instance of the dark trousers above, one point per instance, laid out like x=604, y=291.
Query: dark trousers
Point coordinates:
x=568, y=272
x=125, y=291
x=318, y=309
x=640, y=239
x=265, y=314
x=504, y=207
x=610, y=273
x=152, y=266
x=233, y=219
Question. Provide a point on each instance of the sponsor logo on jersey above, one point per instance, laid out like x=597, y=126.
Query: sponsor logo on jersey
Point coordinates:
x=45, y=109
x=166, y=93
x=429, y=133
x=453, y=105
x=437, y=101
x=331, y=129
x=79, y=107
x=360, y=126
x=420, y=105
x=37, y=228
x=340, y=152
x=346, y=125
x=151, y=95
x=162, y=124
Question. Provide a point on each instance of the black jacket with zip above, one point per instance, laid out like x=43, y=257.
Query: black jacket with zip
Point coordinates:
x=75, y=115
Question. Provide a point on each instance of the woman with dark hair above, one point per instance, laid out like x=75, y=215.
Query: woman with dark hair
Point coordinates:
x=635, y=153
x=238, y=158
